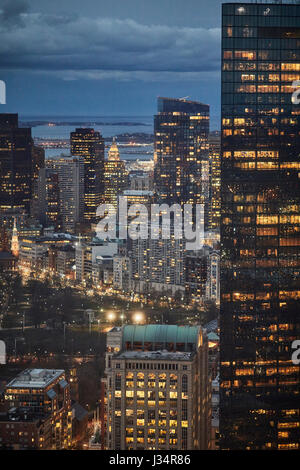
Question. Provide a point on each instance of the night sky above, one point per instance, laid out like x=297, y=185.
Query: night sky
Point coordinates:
x=108, y=57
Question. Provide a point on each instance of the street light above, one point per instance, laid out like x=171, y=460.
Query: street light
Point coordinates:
x=111, y=316
x=138, y=317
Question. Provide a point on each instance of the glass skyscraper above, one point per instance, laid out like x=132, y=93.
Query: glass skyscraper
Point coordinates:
x=89, y=144
x=181, y=130
x=260, y=226
x=16, y=165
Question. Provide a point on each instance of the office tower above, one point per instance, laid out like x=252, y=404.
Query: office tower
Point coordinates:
x=43, y=394
x=70, y=172
x=38, y=162
x=195, y=276
x=89, y=144
x=260, y=240
x=214, y=203
x=181, y=130
x=48, y=197
x=157, y=388
x=115, y=175
x=15, y=164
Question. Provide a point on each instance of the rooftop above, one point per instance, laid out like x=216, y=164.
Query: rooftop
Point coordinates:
x=35, y=378
x=180, y=105
x=79, y=412
x=187, y=336
x=137, y=192
x=155, y=355
x=213, y=336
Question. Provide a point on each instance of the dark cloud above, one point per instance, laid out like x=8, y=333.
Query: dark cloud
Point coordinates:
x=11, y=14
x=95, y=48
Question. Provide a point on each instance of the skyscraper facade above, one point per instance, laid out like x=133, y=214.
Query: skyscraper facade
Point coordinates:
x=181, y=130
x=214, y=204
x=70, y=172
x=38, y=162
x=89, y=144
x=260, y=231
x=15, y=164
x=115, y=175
x=48, y=196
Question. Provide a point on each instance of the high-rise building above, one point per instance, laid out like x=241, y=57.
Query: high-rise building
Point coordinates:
x=158, y=264
x=15, y=164
x=42, y=394
x=89, y=144
x=181, y=130
x=48, y=197
x=213, y=277
x=260, y=231
x=196, y=271
x=115, y=175
x=122, y=273
x=214, y=203
x=157, y=388
x=38, y=162
x=70, y=174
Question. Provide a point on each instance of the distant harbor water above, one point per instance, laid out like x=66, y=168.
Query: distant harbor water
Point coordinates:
x=112, y=126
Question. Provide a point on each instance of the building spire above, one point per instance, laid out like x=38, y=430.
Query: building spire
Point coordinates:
x=15, y=240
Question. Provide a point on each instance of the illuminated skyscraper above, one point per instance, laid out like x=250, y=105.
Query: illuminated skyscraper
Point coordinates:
x=115, y=175
x=70, y=171
x=38, y=162
x=48, y=197
x=89, y=144
x=15, y=164
x=181, y=130
x=214, y=203
x=260, y=227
